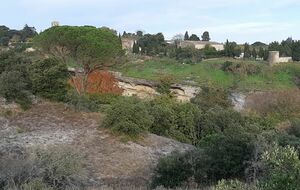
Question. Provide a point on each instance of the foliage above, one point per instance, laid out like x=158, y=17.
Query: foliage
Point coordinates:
x=209, y=73
x=287, y=48
x=282, y=169
x=233, y=185
x=128, y=117
x=220, y=156
x=164, y=116
x=135, y=48
x=290, y=136
x=186, y=36
x=194, y=37
x=217, y=120
x=15, y=84
x=241, y=68
x=152, y=44
x=205, y=36
x=210, y=52
x=49, y=79
x=90, y=48
x=247, y=51
x=296, y=51
x=226, y=156
x=231, y=49
x=14, y=89
x=210, y=97
x=172, y=170
x=188, y=55
x=165, y=84
x=175, y=120
x=7, y=35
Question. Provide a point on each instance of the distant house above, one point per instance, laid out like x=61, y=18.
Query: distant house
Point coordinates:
x=202, y=44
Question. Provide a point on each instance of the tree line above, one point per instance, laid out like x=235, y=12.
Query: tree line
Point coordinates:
x=9, y=35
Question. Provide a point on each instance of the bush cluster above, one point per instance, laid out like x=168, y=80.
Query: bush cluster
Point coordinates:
x=128, y=117
x=241, y=68
x=20, y=79
x=53, y=168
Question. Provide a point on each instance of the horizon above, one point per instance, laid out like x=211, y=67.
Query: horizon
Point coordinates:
x=246, y=21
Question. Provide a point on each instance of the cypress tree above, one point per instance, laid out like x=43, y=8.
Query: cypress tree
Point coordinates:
x=135, y=48
x=186, y=36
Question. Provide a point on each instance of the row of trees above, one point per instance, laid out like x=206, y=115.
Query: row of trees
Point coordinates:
x=7, y=35
x=232, y=49
x=194, y=37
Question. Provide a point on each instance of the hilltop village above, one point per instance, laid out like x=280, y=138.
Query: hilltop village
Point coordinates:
x=84, y=107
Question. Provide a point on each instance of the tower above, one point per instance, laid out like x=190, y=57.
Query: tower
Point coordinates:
x=273, y=57
x=54, y=23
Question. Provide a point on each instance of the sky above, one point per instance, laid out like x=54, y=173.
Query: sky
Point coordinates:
x=236, y=20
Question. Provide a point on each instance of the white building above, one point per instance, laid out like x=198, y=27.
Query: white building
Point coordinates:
x=202, y=44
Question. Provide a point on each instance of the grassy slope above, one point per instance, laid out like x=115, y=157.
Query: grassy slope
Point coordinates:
x=209, y=72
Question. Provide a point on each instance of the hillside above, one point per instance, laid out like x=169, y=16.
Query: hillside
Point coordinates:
x=107, y=159
x=209, y=72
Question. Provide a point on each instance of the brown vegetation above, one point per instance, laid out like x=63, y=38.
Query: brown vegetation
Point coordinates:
x=98, y=82
x=283, y=103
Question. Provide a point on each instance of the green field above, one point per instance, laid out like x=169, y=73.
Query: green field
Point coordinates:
x=209, y=72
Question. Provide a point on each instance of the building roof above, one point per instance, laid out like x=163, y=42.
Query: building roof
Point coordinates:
x=201, y=42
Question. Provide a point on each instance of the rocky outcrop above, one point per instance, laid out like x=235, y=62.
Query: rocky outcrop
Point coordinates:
x=147, y=89
x=238, y=100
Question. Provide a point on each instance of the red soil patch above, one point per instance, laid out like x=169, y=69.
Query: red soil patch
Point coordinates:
x=98, y=82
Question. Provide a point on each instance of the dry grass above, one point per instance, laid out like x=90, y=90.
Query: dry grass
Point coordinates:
x=283, y=104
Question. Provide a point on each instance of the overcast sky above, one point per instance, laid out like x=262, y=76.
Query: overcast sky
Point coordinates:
x=236, y=20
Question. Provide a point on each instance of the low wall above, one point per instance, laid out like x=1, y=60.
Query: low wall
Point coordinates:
x=285, y=59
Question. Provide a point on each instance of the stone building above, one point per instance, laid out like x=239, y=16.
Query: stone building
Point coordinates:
x=127, y=43
x=274, y=58
x=202, y=44
x=54, y=23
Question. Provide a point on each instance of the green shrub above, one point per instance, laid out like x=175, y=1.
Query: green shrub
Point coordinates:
x=81, y=102
x=189, y=55
x=290, y=136
x=282, y=169
x=226, y=156
x=49, y=79
x=187, y=120
x=241, y=68
x=164, y=116
x=128, y=117
x=233, y=185
x=15, y=84
x=14, y=87
x=172, y=170
x=295, y=128
x=165, y=83
x=217, y=120
x=210, y=97
x=173, y=119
